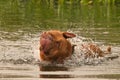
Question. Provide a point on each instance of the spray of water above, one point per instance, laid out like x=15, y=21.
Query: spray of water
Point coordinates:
x=26, y=51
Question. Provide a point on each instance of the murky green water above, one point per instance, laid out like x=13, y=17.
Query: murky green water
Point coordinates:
x=99, y=22
x=22, y=21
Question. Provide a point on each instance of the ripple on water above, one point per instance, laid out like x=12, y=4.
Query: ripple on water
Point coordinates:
x=26, y=51
x=22, y=58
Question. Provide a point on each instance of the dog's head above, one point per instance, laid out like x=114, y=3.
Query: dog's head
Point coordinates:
x=54, y=45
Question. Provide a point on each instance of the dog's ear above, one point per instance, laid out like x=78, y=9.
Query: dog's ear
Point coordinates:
x=68, y=35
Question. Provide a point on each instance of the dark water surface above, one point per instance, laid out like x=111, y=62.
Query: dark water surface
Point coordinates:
x=22, y=21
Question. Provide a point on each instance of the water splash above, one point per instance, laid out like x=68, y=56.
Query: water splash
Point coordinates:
x=26, y=51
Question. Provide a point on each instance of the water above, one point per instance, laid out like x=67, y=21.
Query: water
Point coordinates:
x=22, y=22
x=18, y=60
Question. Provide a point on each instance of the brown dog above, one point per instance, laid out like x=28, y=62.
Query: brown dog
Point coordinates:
x=54, y=46
x=92, y=50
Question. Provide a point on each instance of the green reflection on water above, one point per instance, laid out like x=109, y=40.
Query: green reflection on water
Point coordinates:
x=99, y=22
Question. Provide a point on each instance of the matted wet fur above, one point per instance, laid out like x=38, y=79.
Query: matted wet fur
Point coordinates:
x=54, y=46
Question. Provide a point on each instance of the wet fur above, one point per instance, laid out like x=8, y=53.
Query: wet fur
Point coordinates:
x=56, y=48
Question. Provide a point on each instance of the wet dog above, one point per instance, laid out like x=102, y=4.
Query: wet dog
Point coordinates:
x=54, y=46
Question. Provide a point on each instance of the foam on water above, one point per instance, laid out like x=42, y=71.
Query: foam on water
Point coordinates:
x=79, y=54
x=26, y=51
